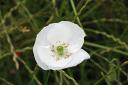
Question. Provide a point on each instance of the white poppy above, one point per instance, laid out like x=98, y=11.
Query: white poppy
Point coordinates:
x=58, y=46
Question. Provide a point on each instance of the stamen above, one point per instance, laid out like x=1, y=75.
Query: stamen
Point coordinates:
x=60, y=50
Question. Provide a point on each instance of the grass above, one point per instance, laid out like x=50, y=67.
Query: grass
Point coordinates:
x=104, y=21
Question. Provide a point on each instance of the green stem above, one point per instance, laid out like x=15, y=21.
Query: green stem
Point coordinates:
x=69, y=77
x=105, y=47
x=47, y=78
x=33, y=74
x=29, y=70
x=5, y=81
x=61, y=79
x=83, y=7
x=75, y=12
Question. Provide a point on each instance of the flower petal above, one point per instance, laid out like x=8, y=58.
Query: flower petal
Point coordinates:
x=77, y=39
x=75, y=44
x=42, y=35
x=59, y=32
x=74, y=27
x=39, y=62
x=46, y=56
x=78, y=57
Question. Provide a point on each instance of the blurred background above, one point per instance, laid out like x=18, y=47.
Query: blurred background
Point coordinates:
x=104, y=21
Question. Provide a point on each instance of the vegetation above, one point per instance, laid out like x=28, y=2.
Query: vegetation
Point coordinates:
x=104, y=21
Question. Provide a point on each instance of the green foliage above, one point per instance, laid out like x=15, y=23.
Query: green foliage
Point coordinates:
x=104, y=21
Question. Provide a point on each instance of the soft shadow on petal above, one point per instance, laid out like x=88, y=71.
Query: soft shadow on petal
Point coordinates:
x=59, y=32
x=78, y=57
x=39, y=62
x=42, y=35
x=76, y=41
x=74, y=27
x=46, y=56
x=75, y=44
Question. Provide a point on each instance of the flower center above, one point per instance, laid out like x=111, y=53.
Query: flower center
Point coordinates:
x=60, y=50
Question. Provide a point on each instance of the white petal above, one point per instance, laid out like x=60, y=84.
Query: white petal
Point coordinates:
x=75, y=44
x=41, y=40
x=39, y=62
x=42, y=35
x=77, y=39
x=59, y=32
x=78, y=57
x=46, y=56
x=74, y=27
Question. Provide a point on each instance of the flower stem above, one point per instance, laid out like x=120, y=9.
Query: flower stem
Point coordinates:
x=46, y=83
x=61, y=79
x=69, y=77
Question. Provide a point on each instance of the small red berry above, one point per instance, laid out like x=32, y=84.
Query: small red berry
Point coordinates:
x=18, y=54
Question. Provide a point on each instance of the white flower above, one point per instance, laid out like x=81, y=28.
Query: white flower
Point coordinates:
x=58, y=46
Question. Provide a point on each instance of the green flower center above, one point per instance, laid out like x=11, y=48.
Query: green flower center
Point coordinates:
x=60, y=50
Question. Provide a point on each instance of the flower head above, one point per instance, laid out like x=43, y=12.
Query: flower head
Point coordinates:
x=58, y=46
